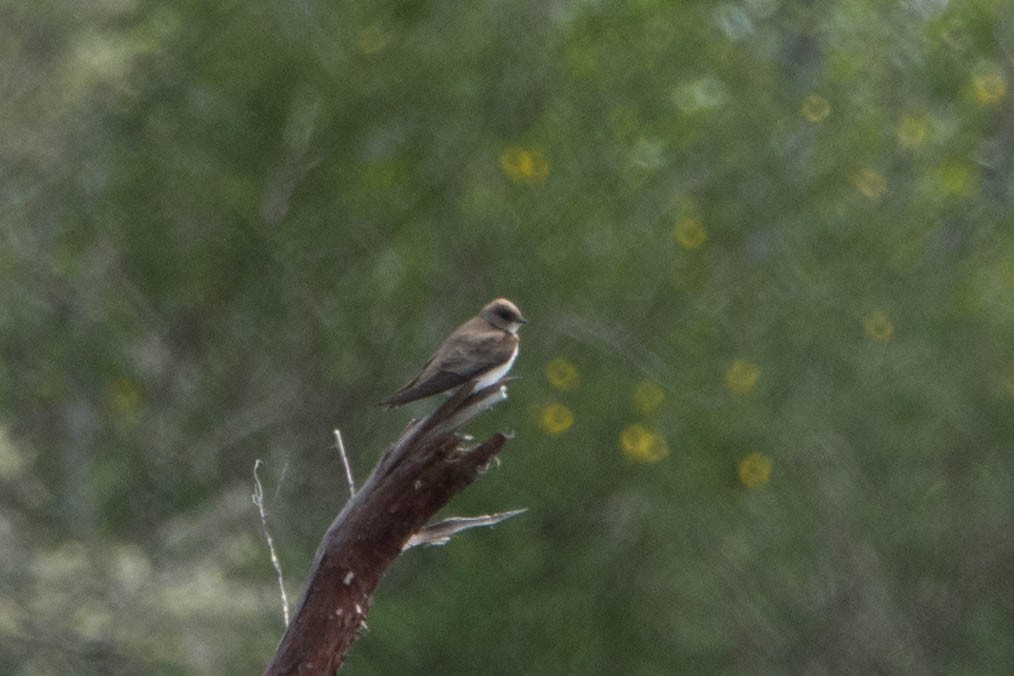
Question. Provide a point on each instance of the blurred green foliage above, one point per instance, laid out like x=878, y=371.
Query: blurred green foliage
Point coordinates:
x=764, y=421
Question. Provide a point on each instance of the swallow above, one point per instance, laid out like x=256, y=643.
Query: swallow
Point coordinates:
x=482, y=350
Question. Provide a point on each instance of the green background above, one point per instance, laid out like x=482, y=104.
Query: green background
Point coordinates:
x=228, y=228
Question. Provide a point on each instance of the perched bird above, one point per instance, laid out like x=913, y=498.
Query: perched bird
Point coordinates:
x=483, y=349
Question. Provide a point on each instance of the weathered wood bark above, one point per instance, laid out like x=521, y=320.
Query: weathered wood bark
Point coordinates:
x=415, y=477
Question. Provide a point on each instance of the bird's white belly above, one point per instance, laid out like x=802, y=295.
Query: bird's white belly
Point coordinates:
x=495, y=374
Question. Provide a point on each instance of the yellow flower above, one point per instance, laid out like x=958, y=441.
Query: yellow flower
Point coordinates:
x=524, y=165
x=911, y=130
x=640, y=444
x=689, y=233
x=371, y=40
x=754, y=470
x=741, y=376
x=877, y=326
x=563, y=375
x=988, y=86
x=648, y=396
x=555, y=419
x=870, y=183
x=815, y=108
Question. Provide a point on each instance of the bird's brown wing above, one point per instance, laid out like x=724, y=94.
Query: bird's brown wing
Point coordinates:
x=470, y=351
x=430, y=381
x=479, y=352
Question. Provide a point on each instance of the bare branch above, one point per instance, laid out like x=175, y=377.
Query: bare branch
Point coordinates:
x=415, y=476
x=258, y=499
x=470, y=408
x=440, y=533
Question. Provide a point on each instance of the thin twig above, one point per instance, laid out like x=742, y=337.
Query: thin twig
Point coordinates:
x=258, y=499
x=345, y=462
x=440, y=533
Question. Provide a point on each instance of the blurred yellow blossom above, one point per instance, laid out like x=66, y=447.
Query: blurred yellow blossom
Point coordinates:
x=563, y=375
x=754, y=470
x=988, y=86
x=647, y=396
x=815, y=108
x=640, y=444
x=911, y=130
x=371, y=40
x=524, y=165
x=870, y=183
x=689, y=233
x=741, y=376
x=555, y=419
x=877, y=326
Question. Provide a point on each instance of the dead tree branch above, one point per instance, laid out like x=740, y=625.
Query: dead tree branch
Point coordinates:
x=416, y=476
x=440, y=533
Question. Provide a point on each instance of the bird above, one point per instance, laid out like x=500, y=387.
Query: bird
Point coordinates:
x=481, y=351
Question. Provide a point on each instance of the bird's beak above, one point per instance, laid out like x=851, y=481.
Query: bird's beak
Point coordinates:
x=522, y=320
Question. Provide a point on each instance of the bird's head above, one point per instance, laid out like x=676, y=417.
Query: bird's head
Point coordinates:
x=503, y=314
